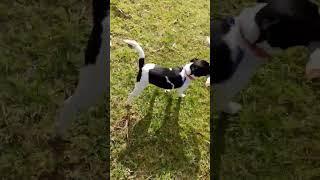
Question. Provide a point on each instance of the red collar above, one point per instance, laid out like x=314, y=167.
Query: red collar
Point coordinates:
x=259, y=52
x=189, y=76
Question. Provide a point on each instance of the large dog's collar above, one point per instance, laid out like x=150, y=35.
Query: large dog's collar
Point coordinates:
x=259, y=52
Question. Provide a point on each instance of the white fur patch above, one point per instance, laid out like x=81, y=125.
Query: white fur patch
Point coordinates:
x=136, y=46
x=313, y=65
x=208, y=82
x=247, y=22
x=168, y=81
x=233, y=39
x=226, y=91
x=186, y=70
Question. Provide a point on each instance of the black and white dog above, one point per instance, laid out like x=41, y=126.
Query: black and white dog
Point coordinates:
x=242, y=44
x=167, y=78
x=92, y=84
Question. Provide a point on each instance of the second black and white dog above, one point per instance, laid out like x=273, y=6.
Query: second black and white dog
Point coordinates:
x=167, y=78
x=242, y=44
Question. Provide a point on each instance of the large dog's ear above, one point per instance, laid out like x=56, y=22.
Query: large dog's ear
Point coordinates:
x=194, y=59
x=266, y=18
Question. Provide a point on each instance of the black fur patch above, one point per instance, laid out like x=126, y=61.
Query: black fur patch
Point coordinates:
x=141, y=64
x=160, y=76
x=288, y=23
x=100, y=11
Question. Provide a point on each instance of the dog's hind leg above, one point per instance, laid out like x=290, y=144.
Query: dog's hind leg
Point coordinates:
x=182, y=89
x=138, y=88
x=226, y=91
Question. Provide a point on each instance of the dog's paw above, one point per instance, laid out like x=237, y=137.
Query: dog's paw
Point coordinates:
x=313, y=65
x=233, y=108
x=182, y=95
x=208, y=82
x=208, y=40
x=313, y=74
x=167, y=90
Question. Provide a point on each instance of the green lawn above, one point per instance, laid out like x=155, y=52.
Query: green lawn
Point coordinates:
x=276, y=136
x=41, y=49
x=168, y=137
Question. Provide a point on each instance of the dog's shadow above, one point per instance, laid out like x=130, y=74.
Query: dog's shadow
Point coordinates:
x=163, y=151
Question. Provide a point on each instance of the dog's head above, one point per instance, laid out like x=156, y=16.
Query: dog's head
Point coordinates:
x=198, y=68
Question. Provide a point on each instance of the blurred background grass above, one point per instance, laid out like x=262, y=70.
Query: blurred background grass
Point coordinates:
x=41, y=50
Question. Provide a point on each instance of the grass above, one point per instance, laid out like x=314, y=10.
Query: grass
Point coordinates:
x=168, y=137
x=276, y=135
x=41, y=50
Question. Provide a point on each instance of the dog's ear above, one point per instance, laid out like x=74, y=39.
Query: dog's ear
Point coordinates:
x=193, y=68
x=194, y=59
x=267, y=16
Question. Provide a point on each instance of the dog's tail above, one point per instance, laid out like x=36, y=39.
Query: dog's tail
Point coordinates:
x=135, y=45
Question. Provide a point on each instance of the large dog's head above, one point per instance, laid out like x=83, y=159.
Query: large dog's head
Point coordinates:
x=270, y=26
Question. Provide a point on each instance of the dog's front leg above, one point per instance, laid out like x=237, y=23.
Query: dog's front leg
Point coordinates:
x=222, y=100
x=182, y=89
x=313, y=65
x=208, y=81
x=226, y=91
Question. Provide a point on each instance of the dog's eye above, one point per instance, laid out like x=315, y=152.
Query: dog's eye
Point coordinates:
x=193, y=68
